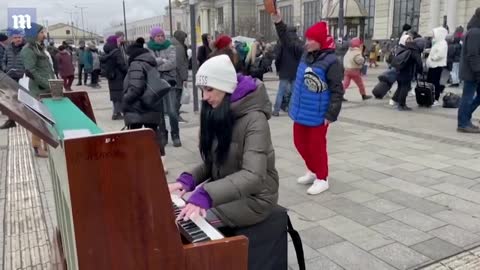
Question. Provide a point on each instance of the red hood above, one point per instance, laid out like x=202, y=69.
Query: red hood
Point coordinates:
x=319, y=33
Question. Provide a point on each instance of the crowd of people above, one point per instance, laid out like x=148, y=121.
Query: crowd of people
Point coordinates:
x=146, y=79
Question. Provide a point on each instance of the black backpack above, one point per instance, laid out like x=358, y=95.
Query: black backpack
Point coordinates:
x=400, y=60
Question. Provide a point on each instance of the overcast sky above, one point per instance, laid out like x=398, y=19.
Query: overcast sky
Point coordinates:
x=98, y=14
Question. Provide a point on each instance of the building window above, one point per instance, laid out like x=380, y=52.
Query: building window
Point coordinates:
x=405, y=12
x=370, y=20
x=311, y=14
x=266, y=25
x=179, y=26
x=287, y=14
x=220, y=15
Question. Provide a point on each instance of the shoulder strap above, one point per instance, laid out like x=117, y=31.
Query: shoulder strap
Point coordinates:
x=297, y=243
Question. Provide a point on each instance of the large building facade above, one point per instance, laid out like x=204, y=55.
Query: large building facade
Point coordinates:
x=367, y=19
x=383, y=19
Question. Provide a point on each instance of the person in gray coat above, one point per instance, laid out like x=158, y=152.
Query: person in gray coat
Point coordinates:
x=136, y=113
x=178, y=41
x=165, y=56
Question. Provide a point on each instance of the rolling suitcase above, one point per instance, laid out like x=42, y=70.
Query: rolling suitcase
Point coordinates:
x=381, y=89
x=424, y=93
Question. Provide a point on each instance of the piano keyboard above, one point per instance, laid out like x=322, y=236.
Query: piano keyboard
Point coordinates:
x=196, y=229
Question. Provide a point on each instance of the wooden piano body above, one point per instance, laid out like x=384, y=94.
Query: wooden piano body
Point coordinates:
x=113, y=206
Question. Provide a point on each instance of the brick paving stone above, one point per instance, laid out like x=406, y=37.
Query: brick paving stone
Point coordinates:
x=400, y=256
x=400, y=232
x=436, y=248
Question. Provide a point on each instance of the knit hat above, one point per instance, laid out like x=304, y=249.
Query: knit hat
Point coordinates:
x=33, y=31
x=222, y=41
x=112, y=40
x=119, y=34
x=318, y=32
x=15, y=32
x=3, y=37
x=355, y=43
x=155, y=31
x=219, y=73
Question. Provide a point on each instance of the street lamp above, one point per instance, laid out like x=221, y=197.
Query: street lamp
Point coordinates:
x=125, y=21
x=233, y=18
x=170, y=16
x=83, y=22
x=193, y=36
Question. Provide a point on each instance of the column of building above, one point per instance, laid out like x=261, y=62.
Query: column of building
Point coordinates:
x=451, y=7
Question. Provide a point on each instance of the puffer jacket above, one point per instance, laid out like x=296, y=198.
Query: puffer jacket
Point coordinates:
x=12, y=62
x=244, y=190
x=324, y=74
x=439, y=52
x=353, y=59
x=115, y=69
x=135, y=85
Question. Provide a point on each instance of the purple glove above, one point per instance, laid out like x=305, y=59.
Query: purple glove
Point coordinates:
x=187, y=181
x=201, y=198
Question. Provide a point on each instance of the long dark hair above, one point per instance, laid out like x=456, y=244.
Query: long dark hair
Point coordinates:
x=216, y=123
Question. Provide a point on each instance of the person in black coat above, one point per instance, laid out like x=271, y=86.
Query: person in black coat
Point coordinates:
x=453, y=60
x=470, y=74
x=204, y=51
x=407, y=73
x=288, y=56
x=136, y=113
x=114, y=68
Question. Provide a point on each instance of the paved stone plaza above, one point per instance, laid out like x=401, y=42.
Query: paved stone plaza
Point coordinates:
x=405, y=188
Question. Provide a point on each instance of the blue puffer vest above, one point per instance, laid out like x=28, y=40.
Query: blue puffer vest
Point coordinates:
x=311, y=95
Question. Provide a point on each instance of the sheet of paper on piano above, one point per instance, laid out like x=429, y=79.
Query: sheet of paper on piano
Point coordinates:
x=76, y=133
x=35, y=105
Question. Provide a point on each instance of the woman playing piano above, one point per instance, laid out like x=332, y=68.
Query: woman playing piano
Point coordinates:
x=236, y=149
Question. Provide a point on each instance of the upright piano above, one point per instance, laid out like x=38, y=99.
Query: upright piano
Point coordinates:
x=112, y=202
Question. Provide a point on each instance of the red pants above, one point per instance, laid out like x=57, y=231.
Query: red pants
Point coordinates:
x=356, y=76
x=311, y=143
x=67, y=82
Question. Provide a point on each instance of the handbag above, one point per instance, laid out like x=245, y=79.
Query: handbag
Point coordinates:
x=185, y=99
x=451, y=100
x=156, y=89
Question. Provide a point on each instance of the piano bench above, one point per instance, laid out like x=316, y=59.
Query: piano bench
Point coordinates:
x=267, y=241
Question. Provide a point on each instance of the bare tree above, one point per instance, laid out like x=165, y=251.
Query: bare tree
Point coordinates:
x=247, y=26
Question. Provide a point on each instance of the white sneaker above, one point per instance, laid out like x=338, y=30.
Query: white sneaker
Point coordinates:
x=436, y=103
x=318, y=187
x=392, y=103
x=308, y=178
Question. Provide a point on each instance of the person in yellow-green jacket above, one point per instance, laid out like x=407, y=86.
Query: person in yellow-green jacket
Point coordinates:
x=39, y=69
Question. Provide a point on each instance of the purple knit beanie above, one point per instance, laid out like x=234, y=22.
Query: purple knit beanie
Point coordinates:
x=112, y=40
x=156, y=31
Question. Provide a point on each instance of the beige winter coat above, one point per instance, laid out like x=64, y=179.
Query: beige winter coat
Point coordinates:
x=353, y=59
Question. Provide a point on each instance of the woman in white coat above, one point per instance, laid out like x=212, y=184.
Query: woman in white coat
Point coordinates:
x=437, y=60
